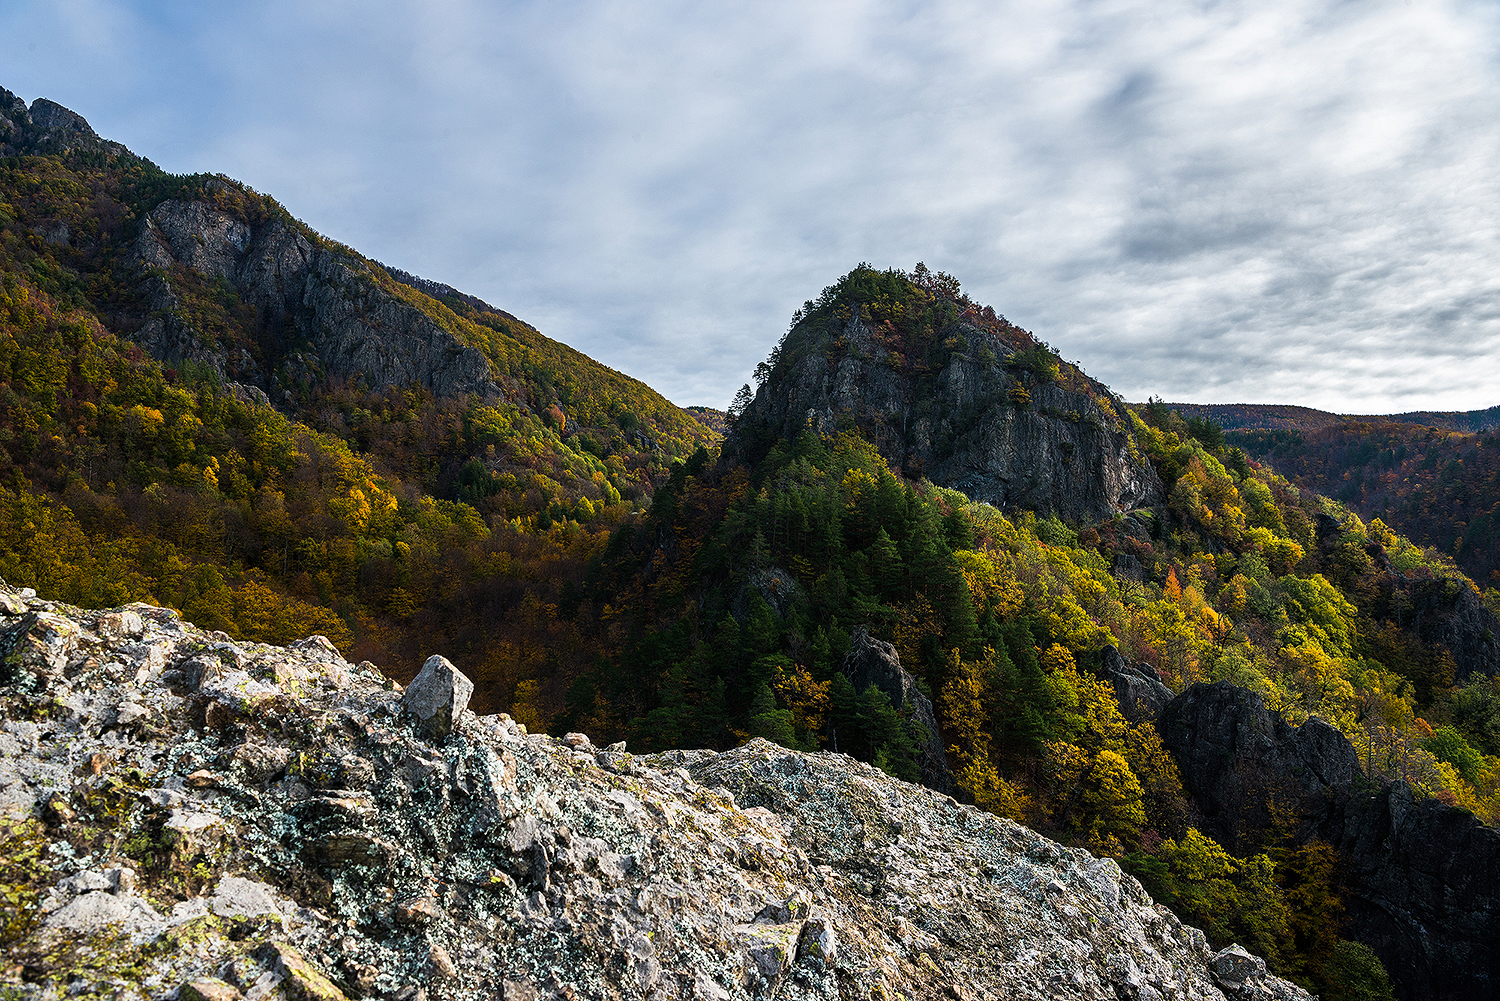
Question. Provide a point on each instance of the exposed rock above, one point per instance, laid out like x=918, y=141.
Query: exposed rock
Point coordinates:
x=1065, y=451
x=1138, y=689
x=505, y=864
x=1423, y=891
x=208, y=989
x=875, y=662
x=1446, y=612
x=1237, y=759
x=437, y=697
x=1422, y=880
x=46, y=128
x=325, y=313
x=300, y=981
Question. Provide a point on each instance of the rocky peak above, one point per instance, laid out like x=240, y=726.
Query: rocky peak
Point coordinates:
x=956, y=398
x=46, y=128
x=214, y=819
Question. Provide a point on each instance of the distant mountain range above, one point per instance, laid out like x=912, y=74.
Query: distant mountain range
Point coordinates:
x=1232, y=416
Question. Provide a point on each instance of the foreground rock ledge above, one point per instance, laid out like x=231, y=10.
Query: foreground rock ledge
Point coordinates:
x=232, y=820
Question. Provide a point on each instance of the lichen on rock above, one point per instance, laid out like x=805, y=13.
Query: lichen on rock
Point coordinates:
x=328, y=844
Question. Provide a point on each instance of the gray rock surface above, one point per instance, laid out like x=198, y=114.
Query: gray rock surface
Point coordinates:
x=875, y=662
x=1421, y=880
x=1138, y=688
x=324, y=313
x=1238, y=759
x=437, y=697
x=46, y=128
x=354, y=858
x=1423, y=891
x=1065, y=451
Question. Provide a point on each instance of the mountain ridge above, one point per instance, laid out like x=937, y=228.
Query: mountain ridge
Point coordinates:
x=576, y=543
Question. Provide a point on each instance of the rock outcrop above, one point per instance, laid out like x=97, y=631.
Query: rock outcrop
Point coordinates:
x=1421, y=880
x=875, y=662
x=1063, y=450
x=1423, y=891
x=46, y=128
x=1239, y=760
x=321, y=311
x=1138, y=688
x=235, y=821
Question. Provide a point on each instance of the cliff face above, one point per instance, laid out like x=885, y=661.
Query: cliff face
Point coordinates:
x=1238, y=758
x=967, y=421
x=320, y=313
x=1425, y=891
x=1421, y=880
x=229, y=820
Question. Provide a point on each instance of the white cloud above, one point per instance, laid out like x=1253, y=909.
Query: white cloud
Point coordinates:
x=1230, y=201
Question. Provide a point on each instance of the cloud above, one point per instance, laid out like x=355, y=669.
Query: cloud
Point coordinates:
x=1229, y=201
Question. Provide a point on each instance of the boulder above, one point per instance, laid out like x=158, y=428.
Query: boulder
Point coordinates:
x=1141, y=694
x=437, y=697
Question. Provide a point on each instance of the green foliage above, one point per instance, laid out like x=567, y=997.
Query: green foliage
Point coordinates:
x=581, y=552
x=1355, y=973
x=1447, y=744
x=1441, y=487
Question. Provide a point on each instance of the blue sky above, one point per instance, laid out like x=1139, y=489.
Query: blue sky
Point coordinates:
x=1232, y=201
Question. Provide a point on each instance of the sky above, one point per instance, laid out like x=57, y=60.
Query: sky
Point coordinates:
x=1222, y=201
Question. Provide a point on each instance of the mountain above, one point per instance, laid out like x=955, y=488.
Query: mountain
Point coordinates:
x=1234, y=416
x=948, y=390
x=280, y=822
x=210, y=405
x=926, y=544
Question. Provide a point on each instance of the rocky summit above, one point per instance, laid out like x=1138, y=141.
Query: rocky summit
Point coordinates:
x=194, y=818
x=958, y=403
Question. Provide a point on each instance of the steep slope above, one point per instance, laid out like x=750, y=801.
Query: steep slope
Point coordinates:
x=429, y=468
x=279, y=821
x=209, y=275
x=1422, y=878
x=1440, y=487
x=951, y=392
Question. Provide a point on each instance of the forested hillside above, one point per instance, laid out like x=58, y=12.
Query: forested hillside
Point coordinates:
x=734, y=602
x=1441, y=487
x=392, y=517
x=408, y=470
x=1263, y=416
x=1432, y=476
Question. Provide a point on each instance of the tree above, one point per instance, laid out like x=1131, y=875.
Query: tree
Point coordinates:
x=741, y=402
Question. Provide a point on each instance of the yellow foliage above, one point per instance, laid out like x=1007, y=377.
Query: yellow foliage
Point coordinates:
x=526, y=708
x=804, y=696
